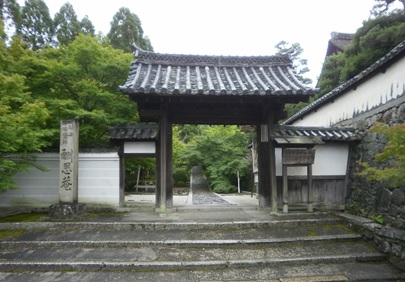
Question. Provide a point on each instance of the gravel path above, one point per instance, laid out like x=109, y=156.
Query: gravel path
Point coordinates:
x=201, y=192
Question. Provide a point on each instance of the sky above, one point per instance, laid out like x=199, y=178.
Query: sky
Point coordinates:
x=232, y=27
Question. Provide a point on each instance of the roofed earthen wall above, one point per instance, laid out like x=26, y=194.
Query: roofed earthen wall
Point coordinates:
x=371, y=198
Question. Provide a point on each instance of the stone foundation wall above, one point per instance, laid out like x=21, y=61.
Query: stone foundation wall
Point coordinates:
x=373, y=199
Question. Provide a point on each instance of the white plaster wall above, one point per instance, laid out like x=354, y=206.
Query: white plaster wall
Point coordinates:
x=376, y=91
x=330, y=160
x=99, y=178
x=139, y=147
x=98, y=181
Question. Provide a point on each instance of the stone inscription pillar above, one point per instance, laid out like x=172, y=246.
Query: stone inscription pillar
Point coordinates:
x=68, y=206
x=68, y=161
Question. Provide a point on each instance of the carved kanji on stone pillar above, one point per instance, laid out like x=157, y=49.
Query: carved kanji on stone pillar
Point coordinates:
x=68, y=172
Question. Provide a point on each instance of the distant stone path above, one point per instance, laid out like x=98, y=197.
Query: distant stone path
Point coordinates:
x=201, y=192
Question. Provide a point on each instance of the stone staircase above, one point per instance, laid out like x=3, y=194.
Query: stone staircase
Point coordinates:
x=297, y=247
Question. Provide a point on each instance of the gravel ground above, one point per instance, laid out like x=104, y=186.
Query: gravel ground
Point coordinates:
x=201, y=192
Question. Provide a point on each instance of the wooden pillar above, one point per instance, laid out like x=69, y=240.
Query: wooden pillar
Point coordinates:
x=272, y=162
x=122, y=178
x=310, y=196
x=285, y=189
x=158, y=185
x=263, y=166
x=169, y=166
x=165, y=189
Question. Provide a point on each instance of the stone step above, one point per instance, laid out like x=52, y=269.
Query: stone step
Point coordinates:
x=315, y=247
x=185, y=253
x=189, y=243
x=150, y=257
x=346, y=271
x=289, y=222
x=240, y=234
x=64, y=263
x=178, y=255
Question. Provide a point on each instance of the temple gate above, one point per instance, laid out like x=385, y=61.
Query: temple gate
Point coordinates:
x=214, y=90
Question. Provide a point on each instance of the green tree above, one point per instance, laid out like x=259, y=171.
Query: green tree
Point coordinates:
x=147, y=168
x=22, y=122
x=36, y=24
x=10, y=15
x=221, y=151
x=67, y=27
x=187, y=131
x=126, y=30
x=375, y=38
x=331, y=72
x=300, y=67
x=79, y=81
x=370, y=42
x=393, y=153
x=181, y=171
x=382, y=7
x=87, y=27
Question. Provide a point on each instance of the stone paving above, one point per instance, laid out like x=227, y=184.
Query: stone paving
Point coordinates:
x=201, y=193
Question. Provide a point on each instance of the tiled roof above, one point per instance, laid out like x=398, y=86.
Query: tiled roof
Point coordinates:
x=324, y=133
x=338, y=42
x=389, y=58
x=170, y=74
x=134, y=132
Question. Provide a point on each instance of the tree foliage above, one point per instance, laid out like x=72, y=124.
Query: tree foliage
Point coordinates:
x=221, y=151
x=41, y=85
x=67, y=27
x=126, y=30
x=81, y=83
x=382, y=7
x=22, y=120
x=393, y=153
x=147, y=171
x=87, y=27
x=36, y=24
x=300, y=67
x=10, y=15
x=375, y=38
x=371, y=42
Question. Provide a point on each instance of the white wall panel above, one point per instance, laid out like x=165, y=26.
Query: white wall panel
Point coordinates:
x=139, y=147
x=330, y=159
x=98, y=181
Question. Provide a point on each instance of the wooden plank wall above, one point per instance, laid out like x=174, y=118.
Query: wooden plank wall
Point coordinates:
x=328, y=192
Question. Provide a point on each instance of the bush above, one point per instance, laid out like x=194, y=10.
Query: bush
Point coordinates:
x=181, y=177
x=180, y=184
x=222, y=186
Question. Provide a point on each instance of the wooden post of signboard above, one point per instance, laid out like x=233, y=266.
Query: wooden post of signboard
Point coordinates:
x=285, y=189
x=297, y=157
x=310, y=193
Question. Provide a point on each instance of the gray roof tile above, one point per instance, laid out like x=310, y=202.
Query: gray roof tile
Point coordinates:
x=171, y=74
x=134, y=132
x=324, y=133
